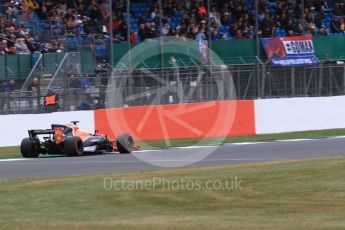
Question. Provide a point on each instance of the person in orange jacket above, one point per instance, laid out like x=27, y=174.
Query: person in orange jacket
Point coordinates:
x=51, y=102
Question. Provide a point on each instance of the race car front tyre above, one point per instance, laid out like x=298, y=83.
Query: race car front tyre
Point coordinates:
x=73, y=146
x=29, y=148
x=125, y=143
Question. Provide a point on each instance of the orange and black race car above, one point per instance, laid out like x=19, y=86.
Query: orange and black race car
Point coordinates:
x=69, y=140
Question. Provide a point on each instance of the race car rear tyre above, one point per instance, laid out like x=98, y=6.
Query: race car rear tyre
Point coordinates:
x=125, y=143
x=73, y=146
x=29, y=148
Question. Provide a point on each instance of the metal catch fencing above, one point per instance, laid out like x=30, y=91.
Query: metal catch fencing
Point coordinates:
x=147, y=86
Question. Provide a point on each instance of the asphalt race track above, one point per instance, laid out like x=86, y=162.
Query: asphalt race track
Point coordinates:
x=222, y=155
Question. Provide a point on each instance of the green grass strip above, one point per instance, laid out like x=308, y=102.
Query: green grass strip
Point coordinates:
x=303, y=194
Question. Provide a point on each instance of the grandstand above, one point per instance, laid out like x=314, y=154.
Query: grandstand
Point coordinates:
x=72, y=47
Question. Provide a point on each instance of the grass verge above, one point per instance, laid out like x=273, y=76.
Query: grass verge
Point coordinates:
x=304, y=194
x=249, y=138
x=14, y=152
x=9, y=152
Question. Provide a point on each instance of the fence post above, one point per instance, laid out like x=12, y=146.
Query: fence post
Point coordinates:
x=344, y=78
x=293, y=89
x=263, y=80
x=39, y=95
x=161, y=42
x=209, y=33
x=111, y=32
x=330, y=77
x=178, y=80
x=8, y=103
x=320, y=79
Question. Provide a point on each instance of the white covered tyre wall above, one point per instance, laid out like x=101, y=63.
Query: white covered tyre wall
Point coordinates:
x=125, y=143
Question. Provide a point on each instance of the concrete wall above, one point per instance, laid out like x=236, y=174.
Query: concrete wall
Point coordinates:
x=14, y=127
x=248, y=117
x=192, y=120
x=299, y=114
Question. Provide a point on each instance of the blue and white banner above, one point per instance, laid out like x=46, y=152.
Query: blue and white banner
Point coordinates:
x=290, y=51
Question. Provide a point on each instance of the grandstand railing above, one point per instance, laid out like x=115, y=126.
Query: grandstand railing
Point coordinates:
x=45, y=65
x=32, y=72
x=70, y=65
x=15, y=66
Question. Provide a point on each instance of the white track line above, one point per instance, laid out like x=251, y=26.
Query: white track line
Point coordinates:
x=247, y=143
x=296, y=140
x=11, y=160
x=337, y=137
x=138, y=161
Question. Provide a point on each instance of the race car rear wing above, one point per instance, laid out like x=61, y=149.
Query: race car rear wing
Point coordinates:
x=35, y=132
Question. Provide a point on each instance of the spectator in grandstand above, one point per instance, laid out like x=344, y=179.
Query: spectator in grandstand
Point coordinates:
x=10, y=49
x=165, y=29
x=96, y=16
x=56, y=24
x=116, y=24
x=23, y=31
x=27, y=15
x=2, y=24
x=33, y=89
x=310, y=27
x=5, y=91
x=34, y=85
x=142, y=32
x=200, y=37
x=150, y=30
x=266, y=26
x=204, y=51
x=3, y=47
x=61, y=8
x=290, y=27
x=86, y=84
x=45, y=48
x=9, y=86
x=21, y=47
x=299, y=27
x=339, y=9
x=31, y=44
x=184, y=17
x=324, y=31
x=202, y=10
x=250, y=33
x=87, y=102
x=215, y=15
x=105, y=6
x=75, y=88
x=154, y=12
x=87, y=26
x=42, y=12
x=75, y=82
x=215, y=35
x=71, y=25
x=133, y=37
x=53, y=47
x=13, y=9
x=336, y=26
x=238, y=34
x=226, y=19
x=342, y=25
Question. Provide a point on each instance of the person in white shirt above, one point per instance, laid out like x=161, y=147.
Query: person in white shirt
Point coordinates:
x=21, y=47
